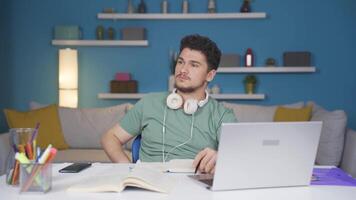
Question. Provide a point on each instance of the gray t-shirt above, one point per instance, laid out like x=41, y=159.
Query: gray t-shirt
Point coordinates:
x=146, y=118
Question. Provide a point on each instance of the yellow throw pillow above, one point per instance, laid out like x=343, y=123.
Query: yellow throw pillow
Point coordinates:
x=292, y=114
x=50, y=131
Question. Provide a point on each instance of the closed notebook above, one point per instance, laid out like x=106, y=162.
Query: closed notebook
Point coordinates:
x=139, y=177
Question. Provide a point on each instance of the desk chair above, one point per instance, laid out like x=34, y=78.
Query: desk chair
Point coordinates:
x=135, y=148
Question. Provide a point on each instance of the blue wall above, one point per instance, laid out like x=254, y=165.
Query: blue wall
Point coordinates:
x=324, y=27
x=5, y=86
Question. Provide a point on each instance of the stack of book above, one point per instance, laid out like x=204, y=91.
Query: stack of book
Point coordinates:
x=123, y=84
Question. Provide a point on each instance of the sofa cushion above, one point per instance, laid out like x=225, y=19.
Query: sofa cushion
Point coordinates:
x=332, y=135
x=256, y=113
x=83, y=155
x=292, y=114
x=83, y=128
x=50, y=131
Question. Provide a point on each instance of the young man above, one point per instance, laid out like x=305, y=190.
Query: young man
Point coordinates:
x=182, y=125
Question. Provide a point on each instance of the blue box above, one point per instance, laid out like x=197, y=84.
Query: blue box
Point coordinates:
x=67, y=33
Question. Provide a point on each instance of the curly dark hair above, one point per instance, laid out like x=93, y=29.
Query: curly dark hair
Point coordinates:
x=204, y=45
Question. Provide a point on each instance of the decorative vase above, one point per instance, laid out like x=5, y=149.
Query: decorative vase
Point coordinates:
x=111, y=33
x=249, y=58
x=185, y=6
x=164, y=6
x=142, y=7
x=245, y=7
x=130, y=7
x=99, y=32
x=211, y=6
x=249, y=88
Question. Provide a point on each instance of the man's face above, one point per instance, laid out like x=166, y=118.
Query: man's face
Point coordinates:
x=191, y=72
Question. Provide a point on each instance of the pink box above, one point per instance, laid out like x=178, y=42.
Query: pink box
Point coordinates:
x=121, y=76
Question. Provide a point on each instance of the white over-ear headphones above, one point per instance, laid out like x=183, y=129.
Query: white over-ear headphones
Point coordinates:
x=175, y=101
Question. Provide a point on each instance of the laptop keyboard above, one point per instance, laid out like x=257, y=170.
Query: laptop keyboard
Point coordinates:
x=207, y=181
x=204, y=178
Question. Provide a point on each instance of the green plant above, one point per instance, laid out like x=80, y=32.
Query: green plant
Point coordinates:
x=250, y=79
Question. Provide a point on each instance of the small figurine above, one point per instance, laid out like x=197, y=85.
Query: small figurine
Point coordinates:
x=270, y=62
x=245, y=6
x=142, y=7
x=111, y=33
x=99, y=32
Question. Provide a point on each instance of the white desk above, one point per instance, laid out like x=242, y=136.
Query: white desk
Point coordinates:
x=185, y=189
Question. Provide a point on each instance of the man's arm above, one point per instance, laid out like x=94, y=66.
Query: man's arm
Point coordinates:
x=112, y=142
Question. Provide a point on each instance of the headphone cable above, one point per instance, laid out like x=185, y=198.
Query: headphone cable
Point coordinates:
x=191, y=136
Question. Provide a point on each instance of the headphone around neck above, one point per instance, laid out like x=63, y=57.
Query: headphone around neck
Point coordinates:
x=175, y=101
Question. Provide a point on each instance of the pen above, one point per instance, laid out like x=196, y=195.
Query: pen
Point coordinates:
x=38, y=154
x=35, y=132
x=197, y=167
x=45, y=154
x=14, y=148
x=15, y=174
x=29, y=152
x=34, y=153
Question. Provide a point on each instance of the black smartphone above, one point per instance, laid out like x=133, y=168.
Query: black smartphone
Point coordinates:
x=75, y=168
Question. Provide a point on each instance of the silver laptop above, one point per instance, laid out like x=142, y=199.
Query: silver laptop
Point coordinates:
x=263, y=155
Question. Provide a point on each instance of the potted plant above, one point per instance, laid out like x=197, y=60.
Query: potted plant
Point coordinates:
x=250, y=82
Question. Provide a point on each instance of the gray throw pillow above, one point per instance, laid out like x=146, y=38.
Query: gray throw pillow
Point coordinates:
x=83, y=127
x=332, y=135
x=257, y=113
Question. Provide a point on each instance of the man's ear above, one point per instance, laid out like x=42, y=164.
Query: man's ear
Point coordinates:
x=210, y=76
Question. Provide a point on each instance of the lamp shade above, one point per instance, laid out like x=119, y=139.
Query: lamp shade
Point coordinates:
x=68, y=98
x=68, y=69
x=68, y=78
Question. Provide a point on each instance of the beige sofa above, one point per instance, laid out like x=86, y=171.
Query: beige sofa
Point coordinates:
x=82, y=129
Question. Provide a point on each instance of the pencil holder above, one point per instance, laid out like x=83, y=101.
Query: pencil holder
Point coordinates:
x=18, y=140
x=35, y=177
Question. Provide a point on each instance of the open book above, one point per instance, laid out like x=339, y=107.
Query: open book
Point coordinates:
x=140, y=177
x=174, y=166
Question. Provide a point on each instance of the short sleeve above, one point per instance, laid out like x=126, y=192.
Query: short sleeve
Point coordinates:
x=132, y=121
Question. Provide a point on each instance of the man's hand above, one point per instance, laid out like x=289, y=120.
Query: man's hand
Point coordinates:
x=206, y=160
